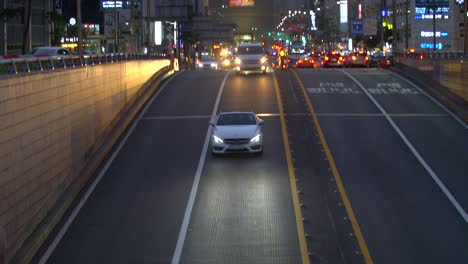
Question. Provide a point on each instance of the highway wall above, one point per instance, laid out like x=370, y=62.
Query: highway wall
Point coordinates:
x=51, y=123
x=446, y=79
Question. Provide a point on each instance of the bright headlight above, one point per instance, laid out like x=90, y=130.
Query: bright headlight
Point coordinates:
x=263, y=60
x=217, y=139
x=238, y=61
x=255, y=139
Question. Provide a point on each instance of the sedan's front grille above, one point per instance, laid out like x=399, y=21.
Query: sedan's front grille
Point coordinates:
x=236, y=141
x=249, y=62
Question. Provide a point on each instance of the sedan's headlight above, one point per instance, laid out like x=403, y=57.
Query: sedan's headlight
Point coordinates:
x=255, y=139
x=263, y=60
x=217, y=140
x=238, y=61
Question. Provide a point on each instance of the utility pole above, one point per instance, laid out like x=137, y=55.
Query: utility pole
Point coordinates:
x=394, y=21
x=434, y=9
x=406, y=25
x=148, y=26
x=116, y=28
x=79, y=26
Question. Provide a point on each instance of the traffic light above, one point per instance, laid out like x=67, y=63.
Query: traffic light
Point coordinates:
x=269, y=34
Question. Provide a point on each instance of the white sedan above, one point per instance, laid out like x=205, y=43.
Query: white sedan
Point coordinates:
x=237, y=132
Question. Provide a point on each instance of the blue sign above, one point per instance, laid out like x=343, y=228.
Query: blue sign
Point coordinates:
x=430, y=45
x=357, y=28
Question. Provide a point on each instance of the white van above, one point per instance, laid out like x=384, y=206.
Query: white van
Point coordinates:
x=251, y=58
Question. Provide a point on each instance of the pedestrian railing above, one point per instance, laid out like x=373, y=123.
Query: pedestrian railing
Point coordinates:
x=51, y=63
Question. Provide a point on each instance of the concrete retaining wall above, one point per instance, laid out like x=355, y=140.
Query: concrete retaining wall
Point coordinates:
x=451, y=74
x=50, y=124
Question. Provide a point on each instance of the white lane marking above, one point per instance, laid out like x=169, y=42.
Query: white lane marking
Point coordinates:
x=459, y=120
x=377, y=114
x=96, y=181
x=174, y=117
x=196, y=181
x=426, y=166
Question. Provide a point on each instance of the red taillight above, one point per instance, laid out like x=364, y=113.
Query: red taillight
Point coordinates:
x=300, y=61
x=289, y=60
x=326, y=58
x=354, y=58
x=421, y=57
x=367, y=58
x=341, y=58
x=284, y=66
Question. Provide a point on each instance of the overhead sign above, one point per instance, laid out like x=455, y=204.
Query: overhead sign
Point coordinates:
x=112, y=4
x=357, y=27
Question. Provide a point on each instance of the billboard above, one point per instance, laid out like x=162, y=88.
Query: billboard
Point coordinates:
x=241, y=3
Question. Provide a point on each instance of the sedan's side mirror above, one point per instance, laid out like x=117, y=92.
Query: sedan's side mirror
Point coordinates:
x=260, y=122
x=211, y=123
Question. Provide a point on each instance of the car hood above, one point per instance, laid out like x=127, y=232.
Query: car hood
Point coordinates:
x=235, y=131
x=250, y=56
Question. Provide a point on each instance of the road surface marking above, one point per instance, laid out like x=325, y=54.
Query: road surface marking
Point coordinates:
x=357, y=230
x=174, y=117
x=96, y=181
x=465, y=125
x=380, y=115
x=196, y=181
x=426, y=166
x=292, y=178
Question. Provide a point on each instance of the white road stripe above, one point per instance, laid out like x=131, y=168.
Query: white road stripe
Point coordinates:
x=96, y=181
x=174, y=117
x=426, y=166
x=459, y=120
x=196, y=181
x=380, y=115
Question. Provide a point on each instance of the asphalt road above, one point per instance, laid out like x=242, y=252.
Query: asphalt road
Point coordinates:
x=241, y=208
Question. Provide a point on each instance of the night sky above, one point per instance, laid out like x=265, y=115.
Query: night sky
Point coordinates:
x=89, y=10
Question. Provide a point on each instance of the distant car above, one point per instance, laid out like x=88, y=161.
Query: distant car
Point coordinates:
x=227, y=62
x=333, y=59
x=305, y=62
x=360, y=59
x=50, y=51
x=237, y=132
x=251, y=58
x=207, y=62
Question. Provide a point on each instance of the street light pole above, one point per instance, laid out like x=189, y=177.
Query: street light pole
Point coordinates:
x=79, y=26
x=434, y=24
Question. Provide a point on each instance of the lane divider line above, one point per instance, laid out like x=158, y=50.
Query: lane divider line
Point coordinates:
x=101, y=174
x=465, y=125
x=418, y=156
x=292, y=178
x=196, y=181
x=341, y=189
x=175, y=117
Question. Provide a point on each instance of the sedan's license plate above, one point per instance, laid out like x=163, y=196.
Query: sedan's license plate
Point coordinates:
x=236, y=146
x=333, y=60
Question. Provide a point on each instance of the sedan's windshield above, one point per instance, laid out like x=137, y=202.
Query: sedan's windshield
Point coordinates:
x=236, y=119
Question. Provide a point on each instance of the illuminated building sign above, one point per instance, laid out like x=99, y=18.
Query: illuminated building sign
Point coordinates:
x=427, y=34
x=430, y=16
x=109, y=4
x=430, y=45
x=343, y=11
x=241, y=3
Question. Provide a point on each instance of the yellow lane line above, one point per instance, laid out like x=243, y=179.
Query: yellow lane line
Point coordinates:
x=292, y=178
x=339, y=182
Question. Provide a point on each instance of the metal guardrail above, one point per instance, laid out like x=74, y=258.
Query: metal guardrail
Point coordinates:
x=434, y=55
x=40, y=64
